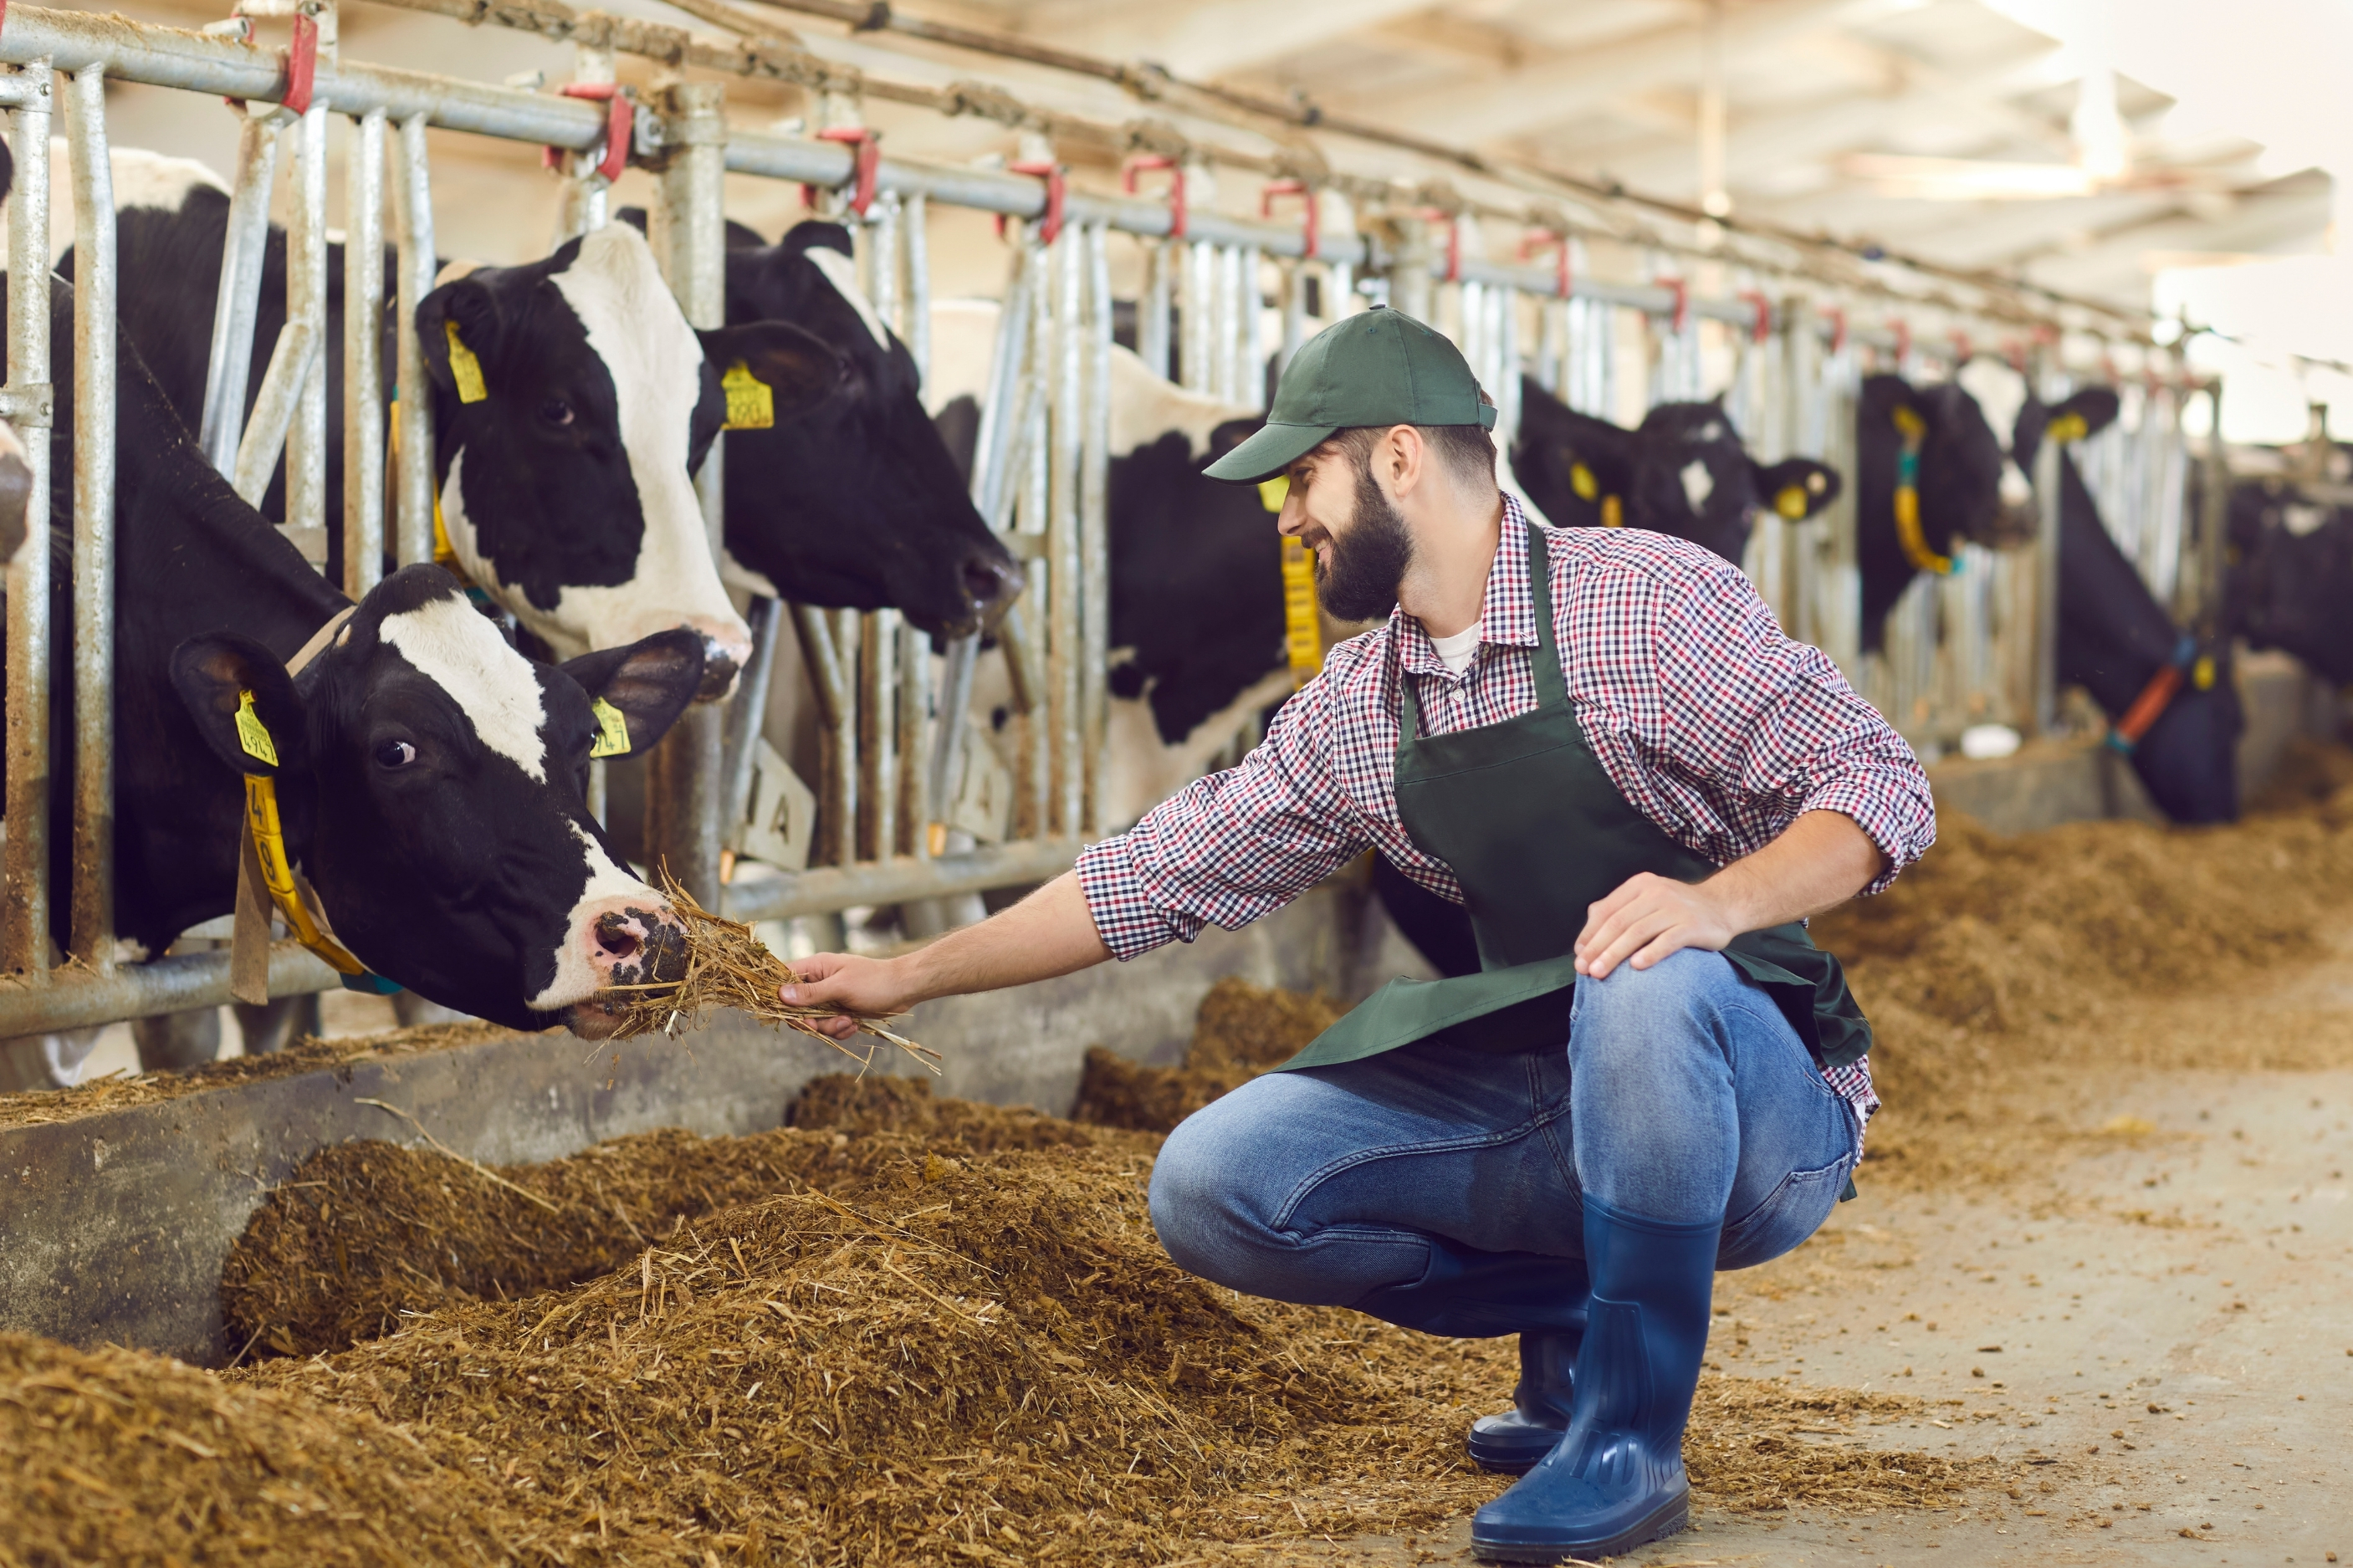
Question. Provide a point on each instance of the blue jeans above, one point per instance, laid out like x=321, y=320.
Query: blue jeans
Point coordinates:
x=1444, y=1189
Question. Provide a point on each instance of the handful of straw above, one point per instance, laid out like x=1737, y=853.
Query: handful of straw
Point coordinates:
x=727, y=966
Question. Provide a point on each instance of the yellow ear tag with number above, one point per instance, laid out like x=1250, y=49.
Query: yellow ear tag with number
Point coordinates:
x=464, y=368
x=1581, y=480
x=251, y=733
x=1273, y=492
x=2069, y=427
x=612, y=730
x=751, y=406
x=1792, y=502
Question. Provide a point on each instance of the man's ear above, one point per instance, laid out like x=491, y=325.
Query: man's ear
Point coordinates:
x=650, y=682
x=1796, y=488
x=469, y=306
x=213, y=674
x=800, y=369
x=2085, y=412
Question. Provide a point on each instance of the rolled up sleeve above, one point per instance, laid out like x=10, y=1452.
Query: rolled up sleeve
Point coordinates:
x=1231, y=848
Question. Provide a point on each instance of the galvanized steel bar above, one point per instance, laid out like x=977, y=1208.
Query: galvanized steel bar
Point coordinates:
x=1250, y=374
x=2046, y=596
x=882, y=247
x=877, y=737
x=584, y=197
x=1094, y=523
x=291, y=362
x=1161, y=260
x=911, y=815
x=1035, y=774
x=747, y=710
x=1066, y=585
x=412, y=188
x=832, y=683
x=364, y=357
x=306, y=302
x=73, y=999
x=229, y=365
x=827, y=888
x=24, y=912
x=92, y=924
x=916, y=328
x=1197, y=329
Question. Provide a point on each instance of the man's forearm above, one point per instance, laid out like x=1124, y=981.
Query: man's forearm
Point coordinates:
x=1049, y=933
x=1819, y=862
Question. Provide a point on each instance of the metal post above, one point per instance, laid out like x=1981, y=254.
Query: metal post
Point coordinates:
x=1032, y=806
x=1409, y=272
x=2215, y=516
x=915, y=219
x=229, y=366
x=2046, y=593
x=1068, y=775
x=1250, y=371
x=747, y=711
x=1161, y=260
x=914, y=660
x=306, y=306
x=25, y=912
x=1294, y=314
x=1196, y=368
x=364, y=357
x=682, y=776
x=412, y=188
x=92, y=926
x=1094, y=523
x=831, y=681
x=882, y=259
x=584, y=197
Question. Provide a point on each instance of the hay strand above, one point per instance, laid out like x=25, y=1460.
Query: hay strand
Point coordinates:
x=729, y=967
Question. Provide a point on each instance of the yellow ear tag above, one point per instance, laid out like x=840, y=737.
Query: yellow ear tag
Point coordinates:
x=1613, y=513
x=1792, y=502
x=612, y=730
x=1273, y=492
x=2202, y=674
x=251, y=733
x=1581, y=480
x=2069, y=427
x=464, y=368
x=751, y=406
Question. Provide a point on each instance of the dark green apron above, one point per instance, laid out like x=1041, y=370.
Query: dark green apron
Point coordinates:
x=1536, y=832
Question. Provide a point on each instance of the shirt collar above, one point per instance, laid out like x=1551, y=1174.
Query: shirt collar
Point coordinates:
x=1507, y=614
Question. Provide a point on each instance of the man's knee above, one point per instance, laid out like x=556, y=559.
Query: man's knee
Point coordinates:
x=1679, y=999
x=1205, y=1196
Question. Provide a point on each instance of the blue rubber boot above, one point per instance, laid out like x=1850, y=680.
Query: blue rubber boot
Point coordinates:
x=1615, y=1478
x=1512, y=1442
x=1464, y=1293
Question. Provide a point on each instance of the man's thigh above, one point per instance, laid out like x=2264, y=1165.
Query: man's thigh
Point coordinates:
x=1427, y=1139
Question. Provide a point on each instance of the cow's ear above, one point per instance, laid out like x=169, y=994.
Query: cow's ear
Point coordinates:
x=649, y=682
x=459, y=329
x=2085, y=412
x=800, y=369
x=244, y=703
x=1796, y=488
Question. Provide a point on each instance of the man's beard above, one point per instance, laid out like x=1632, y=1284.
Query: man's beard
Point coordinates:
x=1367, y=567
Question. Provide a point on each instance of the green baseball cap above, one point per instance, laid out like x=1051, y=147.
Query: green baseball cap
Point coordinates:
x=1379, y=368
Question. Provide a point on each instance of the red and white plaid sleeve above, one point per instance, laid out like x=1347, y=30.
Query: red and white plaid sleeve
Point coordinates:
x=1240, y=844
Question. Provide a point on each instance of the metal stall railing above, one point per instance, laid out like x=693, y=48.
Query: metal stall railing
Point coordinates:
x=893, y=715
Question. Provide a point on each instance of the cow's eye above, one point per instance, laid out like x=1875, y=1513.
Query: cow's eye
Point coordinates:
x=555, y=411
x=394, y=755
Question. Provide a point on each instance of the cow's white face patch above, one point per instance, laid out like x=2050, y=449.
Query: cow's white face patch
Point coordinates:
x=1698, y=484
x=458, y=649
x=2015, y=488
x=842, y=273
x=1999, y=392
x=577, y=977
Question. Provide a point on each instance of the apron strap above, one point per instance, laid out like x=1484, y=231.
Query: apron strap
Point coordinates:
x=1552, y=690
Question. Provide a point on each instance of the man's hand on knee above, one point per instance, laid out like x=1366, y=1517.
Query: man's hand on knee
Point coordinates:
x=1648, y=918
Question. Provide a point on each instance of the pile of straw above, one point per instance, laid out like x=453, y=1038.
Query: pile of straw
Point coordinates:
x=728, y=967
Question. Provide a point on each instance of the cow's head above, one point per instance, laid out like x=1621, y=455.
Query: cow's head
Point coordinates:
x=859, y=504
x=431, y=785
x=572, y=405
x=1683, y=471
x=2081, y=413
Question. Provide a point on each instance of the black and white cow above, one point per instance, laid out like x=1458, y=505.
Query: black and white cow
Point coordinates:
x=2115, y=639
x=1965, y=485
x=857, y=504
x=2289, y=584
x=429, y=777
x=1681, y=471
x=567, y=489
x=1197, y=619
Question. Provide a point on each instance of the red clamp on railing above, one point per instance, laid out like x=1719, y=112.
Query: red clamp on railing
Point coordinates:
x=1962, y=350
x=1453, y=240
x=1903, y=330
x=1050, y=227
x=1836, y=316
x=301, y=63
x=865, y=168
x=1539, y=240
x=1177, y=216
x=1761, y=328
x=1274, y=188
x=1681, y=289
x=620, y=124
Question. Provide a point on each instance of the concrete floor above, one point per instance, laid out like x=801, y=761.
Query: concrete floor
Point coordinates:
x=2171, y=1320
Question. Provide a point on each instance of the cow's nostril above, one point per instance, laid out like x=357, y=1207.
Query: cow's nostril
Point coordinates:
x=993, y=583
x=614, y=935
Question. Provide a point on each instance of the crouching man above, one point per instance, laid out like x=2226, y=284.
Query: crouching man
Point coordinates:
x=1600, y=743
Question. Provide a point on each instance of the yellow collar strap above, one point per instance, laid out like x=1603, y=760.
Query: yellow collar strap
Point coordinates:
x=278, y=876
x=1302, y=627
x=1908, y=532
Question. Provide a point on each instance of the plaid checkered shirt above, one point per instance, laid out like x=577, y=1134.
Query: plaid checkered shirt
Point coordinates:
x=1709, y=719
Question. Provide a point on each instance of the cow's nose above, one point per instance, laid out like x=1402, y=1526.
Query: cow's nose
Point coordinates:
x=725, y=650
x=632, y=939
x=992, y=581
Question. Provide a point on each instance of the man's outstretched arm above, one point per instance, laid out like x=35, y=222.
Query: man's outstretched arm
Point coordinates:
x=1049, y=933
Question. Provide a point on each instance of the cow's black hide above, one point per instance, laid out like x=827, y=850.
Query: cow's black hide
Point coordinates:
x=1961, y=480
x=2290, y=578
x=2113, y=636
x=443, y=867
x=1682, y=472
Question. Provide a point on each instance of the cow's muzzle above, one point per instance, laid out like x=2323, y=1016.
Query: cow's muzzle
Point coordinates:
x=630, y=942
